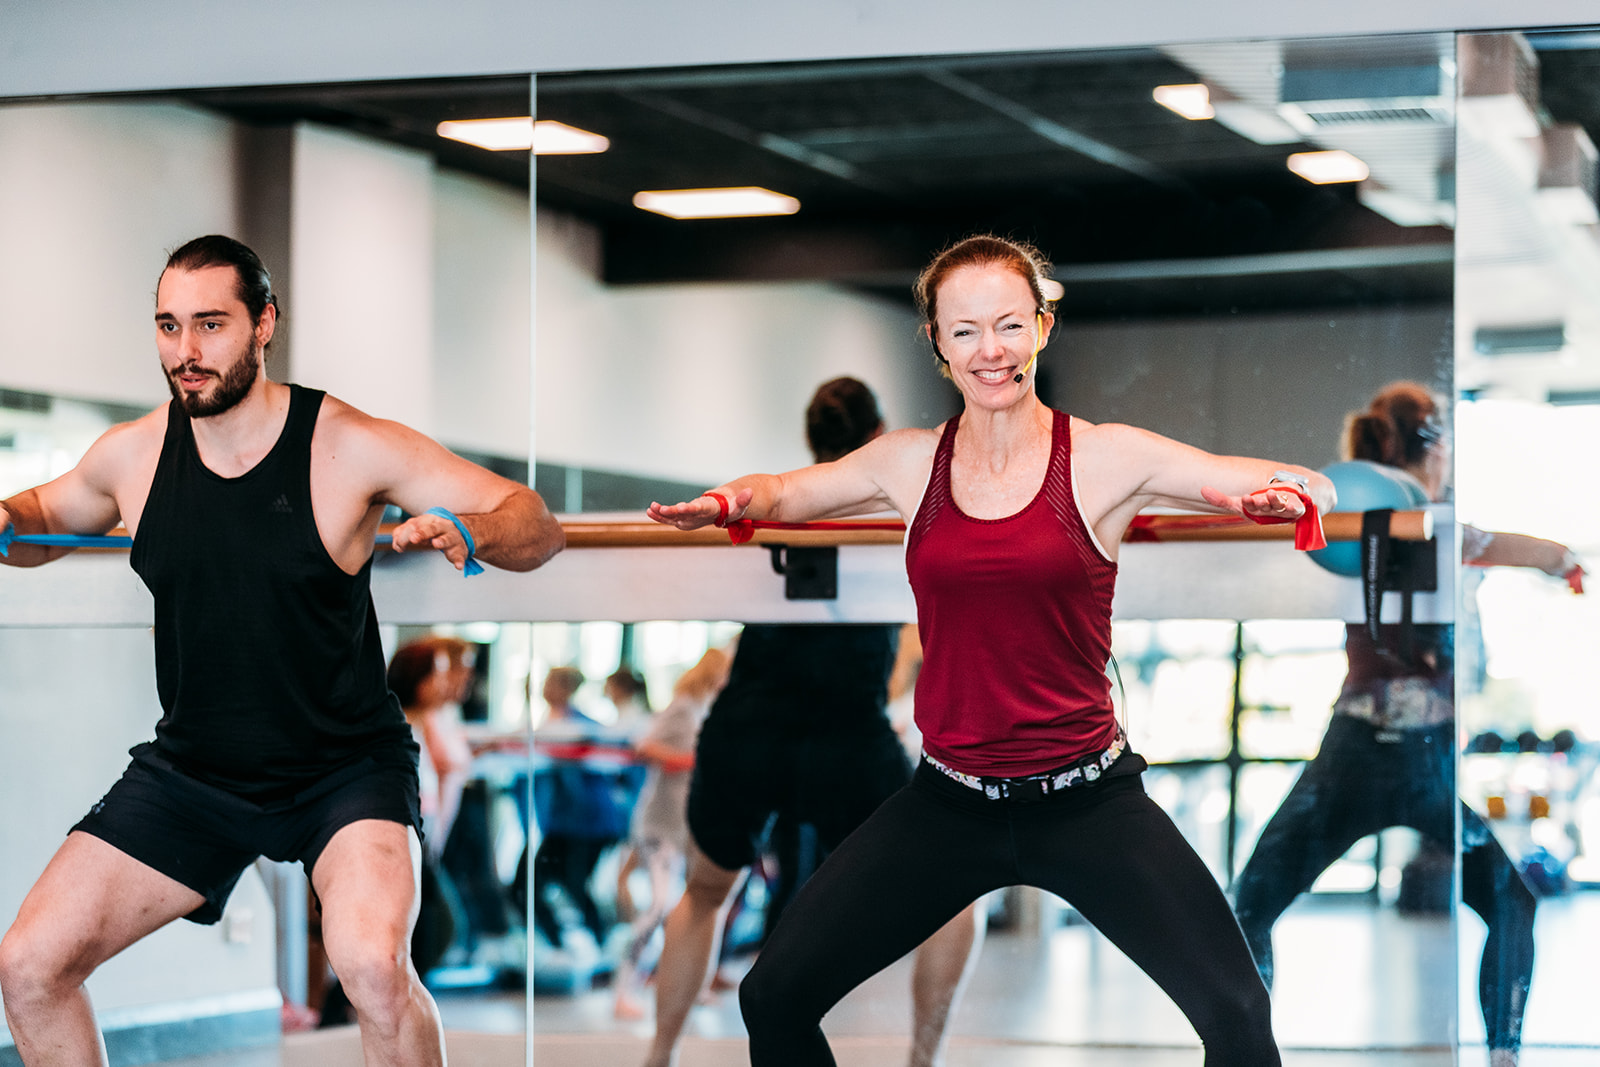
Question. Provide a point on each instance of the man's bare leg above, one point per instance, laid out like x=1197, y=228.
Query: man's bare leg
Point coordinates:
x=691, y=938
x=91, y=902
x=943, y=966
x=367, y=880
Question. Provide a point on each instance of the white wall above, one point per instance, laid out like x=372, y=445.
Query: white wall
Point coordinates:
x=411, y=286
x=483, y=326
x=92, y=196
x=361, y=240
x=703, y=381
x=93, y=45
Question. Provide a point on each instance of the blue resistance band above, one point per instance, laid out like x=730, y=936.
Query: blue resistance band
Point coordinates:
x=472, y=566
x=9, y=536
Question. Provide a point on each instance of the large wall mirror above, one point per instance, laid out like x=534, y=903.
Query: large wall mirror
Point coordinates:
x=1528, y=273
x=1213, y=294
x=403, y=265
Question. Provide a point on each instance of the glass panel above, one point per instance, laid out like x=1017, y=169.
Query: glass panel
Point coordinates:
x=1203, y=280
x=401, y=263
x=1525, y=666
x=1177, y=682
x=1292, y=672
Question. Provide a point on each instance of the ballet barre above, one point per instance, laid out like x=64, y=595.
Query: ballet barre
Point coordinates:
x=625, y=533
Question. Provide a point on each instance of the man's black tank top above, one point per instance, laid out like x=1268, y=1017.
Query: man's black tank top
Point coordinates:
x=268, y=660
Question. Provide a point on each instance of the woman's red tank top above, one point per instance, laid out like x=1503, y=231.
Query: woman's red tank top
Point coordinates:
x=1015, y=616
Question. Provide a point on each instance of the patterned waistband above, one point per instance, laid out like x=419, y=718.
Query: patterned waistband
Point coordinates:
x=1399, y=704
x=1038, y=786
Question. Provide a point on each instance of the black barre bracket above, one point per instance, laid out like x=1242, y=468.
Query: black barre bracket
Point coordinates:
x=1405, y=567
x=809, y=573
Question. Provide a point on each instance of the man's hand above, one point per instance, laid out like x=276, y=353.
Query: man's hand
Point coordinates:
x=435, y=532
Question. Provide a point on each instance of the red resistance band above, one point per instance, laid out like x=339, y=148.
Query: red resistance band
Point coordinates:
x=742, y=530
x=1307, y=531
x=1307, y=528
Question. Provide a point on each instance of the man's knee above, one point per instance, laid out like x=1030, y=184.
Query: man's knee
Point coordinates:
x=377, y=976
x=14, y=966
x=29, y=970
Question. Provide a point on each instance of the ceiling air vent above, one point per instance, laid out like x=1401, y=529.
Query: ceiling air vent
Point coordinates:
x=1520, y=340
x=1319, y=99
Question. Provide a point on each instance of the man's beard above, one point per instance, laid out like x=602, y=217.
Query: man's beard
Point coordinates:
x=233, y=385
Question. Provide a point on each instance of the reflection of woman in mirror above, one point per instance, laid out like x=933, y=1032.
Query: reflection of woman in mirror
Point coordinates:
x=431, y=677
x=1388, y=758
x=1015, y=513
x=800, y=733
x=659, y=831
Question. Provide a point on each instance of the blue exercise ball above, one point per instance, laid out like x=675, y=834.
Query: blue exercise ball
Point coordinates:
x=1365, y=486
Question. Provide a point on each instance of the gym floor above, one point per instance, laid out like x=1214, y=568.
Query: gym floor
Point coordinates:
x=1355, y=987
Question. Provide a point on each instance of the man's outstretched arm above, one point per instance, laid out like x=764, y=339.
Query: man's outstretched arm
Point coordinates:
x=508, y=524
x=81, y=501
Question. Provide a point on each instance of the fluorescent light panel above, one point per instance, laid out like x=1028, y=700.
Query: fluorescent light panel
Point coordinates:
x=551, y=138
x=736, y=202
x=546, y=137
x=1190, y=101
x=1328, y=168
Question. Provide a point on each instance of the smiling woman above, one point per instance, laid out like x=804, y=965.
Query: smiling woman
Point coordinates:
x=1010, y=508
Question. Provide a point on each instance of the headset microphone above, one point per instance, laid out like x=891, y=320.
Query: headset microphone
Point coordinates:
x=1038, y=343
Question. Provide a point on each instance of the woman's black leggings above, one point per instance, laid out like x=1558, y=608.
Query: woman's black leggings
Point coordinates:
x=1363, y=781
x=936, y=846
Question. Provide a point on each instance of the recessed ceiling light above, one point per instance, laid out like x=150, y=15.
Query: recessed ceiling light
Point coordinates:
x=497, y=135
x=1327, y=168
x=737, y=202
x=1190, y=101
x=546, y=138
x=552, y=138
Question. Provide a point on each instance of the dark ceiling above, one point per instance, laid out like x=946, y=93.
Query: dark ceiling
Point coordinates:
x=1144, y=212
x=893, y=159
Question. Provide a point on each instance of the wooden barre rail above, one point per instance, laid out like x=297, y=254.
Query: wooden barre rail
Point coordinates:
x=612, y=533
x=1338, y=526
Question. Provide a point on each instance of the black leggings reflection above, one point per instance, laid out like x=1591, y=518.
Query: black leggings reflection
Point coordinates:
x=1358, y=785
x=568, y=862
x=936, y=846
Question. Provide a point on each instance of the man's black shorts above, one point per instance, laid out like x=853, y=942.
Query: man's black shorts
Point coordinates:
x=832, y=780
x=204, y=837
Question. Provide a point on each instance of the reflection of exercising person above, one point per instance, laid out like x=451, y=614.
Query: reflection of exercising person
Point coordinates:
x=1015, y=515
x=800, y=731
x=1388, y=757
x=253, y=507
x=659, y=831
